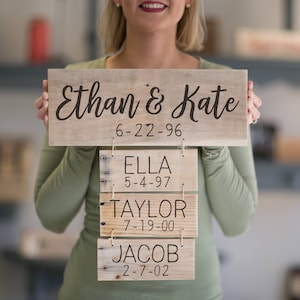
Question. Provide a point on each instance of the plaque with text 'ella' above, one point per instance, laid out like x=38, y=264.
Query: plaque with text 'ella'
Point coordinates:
x=148, y=170
x=147, y=107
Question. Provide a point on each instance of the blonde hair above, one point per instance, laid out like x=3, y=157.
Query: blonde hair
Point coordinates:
x=191, y=30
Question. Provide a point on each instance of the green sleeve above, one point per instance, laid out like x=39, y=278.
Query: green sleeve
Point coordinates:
x=61, y=183
x=63, y=176
x=231, y=187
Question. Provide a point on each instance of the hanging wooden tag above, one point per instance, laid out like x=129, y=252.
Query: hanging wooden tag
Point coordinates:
x=149, y=215
x=146, y=259
x=143, y=170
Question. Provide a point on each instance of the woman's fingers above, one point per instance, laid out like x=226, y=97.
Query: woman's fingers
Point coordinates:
x=254, y=103
x=41, y=104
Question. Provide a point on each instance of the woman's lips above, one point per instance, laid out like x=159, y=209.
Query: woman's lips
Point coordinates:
x=152, y=6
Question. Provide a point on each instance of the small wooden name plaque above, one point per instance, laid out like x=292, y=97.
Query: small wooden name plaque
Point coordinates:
x=146, y=259
x=143, y=170
x=149, y=215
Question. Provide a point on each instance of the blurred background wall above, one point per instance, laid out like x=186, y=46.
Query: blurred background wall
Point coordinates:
x=70, y=26
x=254, y=265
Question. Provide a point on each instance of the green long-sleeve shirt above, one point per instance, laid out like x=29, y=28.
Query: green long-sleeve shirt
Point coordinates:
x=68, y=177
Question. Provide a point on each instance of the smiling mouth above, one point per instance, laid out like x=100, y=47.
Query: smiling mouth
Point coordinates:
x=152, y=6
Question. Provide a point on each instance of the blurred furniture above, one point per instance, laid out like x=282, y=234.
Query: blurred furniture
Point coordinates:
x=293, y=283
x=44, y=275
x=44, y=255
x=15, y=168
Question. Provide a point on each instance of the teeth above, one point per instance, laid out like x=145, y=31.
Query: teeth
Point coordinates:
x=153, y=5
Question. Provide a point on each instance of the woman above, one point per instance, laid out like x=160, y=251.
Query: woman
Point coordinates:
x=146, y=34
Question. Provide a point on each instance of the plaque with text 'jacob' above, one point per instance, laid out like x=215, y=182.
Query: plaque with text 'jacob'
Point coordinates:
x=146, y=170
x=146, y=259
x=144, y=107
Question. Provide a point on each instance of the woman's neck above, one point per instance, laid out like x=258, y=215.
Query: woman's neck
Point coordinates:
x=153, y=52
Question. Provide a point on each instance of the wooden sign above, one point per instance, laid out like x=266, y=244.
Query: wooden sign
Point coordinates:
x=149, y=215
x=146, y=259
x=122, y=107
x=142, y=170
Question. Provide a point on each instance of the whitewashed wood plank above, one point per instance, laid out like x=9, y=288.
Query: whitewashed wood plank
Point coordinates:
x=149, y=215
x=99, y=107
x=143, y=170
x=146, y=259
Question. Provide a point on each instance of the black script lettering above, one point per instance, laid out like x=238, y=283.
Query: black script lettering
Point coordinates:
x=207, y=104
x=95, y=105
x=66, y=89
x=157, y=104
x=226, y=106
x=183, y=104
x=231, y=101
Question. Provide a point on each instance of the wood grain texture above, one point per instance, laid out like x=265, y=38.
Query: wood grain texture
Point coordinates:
x=144, y=170
x=147, y=107
x=149, y=215
x=149, y=259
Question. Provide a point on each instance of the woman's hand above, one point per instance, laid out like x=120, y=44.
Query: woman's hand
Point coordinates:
x=254, y=103
x=41, y=104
